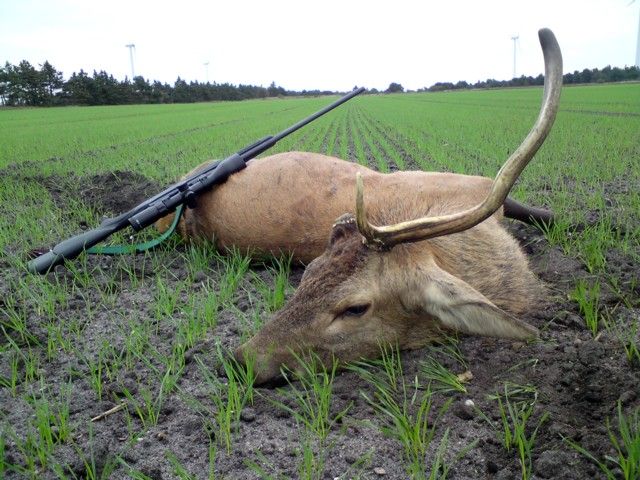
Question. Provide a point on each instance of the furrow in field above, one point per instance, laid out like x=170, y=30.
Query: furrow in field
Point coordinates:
x=356, y=150
x=331, y=145
x=394, y=145
x=329, y=139
x=479, y=105
x=300, y=142
x=313, y=139
x=603, y=112
x=385, y=159
x=342, y=141
x=369, y=154
x=401, y=136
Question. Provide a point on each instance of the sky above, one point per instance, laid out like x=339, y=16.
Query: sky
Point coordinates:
x=326, y=44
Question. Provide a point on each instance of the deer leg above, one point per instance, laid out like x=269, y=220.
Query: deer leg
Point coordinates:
x=524, y=213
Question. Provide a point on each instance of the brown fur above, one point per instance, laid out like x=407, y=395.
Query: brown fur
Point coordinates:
x=353, y=298
x=287, y=203
x=473, y=281
x=496, y=283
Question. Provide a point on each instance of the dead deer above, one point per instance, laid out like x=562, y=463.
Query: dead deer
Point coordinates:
x=422, y=256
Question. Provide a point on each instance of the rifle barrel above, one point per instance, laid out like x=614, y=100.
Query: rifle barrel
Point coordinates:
x=267, y=142
x=319, y=113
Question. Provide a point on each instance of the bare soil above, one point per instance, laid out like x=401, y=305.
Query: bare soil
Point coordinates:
x=579, y=380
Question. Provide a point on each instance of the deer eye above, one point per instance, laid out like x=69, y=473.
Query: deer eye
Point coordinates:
x=355, y=310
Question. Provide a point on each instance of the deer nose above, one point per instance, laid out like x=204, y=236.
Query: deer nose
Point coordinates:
x=265, y=366
x=239, y=355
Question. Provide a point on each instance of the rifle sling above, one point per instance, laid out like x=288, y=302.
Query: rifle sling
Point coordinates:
x=139, y=247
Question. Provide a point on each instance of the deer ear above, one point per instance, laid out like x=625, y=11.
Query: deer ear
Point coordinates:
x=461, y=307
x=344, y=227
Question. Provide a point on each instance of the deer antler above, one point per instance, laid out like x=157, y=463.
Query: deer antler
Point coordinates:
x=429, y=227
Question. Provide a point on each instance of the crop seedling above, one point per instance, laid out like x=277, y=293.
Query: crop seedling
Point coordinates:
x=594, y=242
x=628, y=337
x=52, y=418
x=587, y=296
x=235, y=266
x=166, y=298
x=440, y=378
x=133, y=270
x=559, y=233
x=311, y=465
x=11, y=382
x=148, y=406
x=262, y=467
x=48, y=427
x=310, y=390
x=274, y=297
x=625, y=442
x=228, y=398
x=178, y=469
x=133, y=473
x=200, y=315
x=406, y=420
x=3, y=460
x=30, y=361
x=94, y=468
x=200, y=259
x=57, y=341
x=13, y=321
x=515, y=416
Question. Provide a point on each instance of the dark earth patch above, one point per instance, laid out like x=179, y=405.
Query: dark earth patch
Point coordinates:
x=107, y=193
x=578, y=379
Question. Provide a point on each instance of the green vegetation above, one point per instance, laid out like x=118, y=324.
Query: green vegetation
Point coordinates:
x=310, y=394
x=405, y=414
x=516, y=433
x=587, y=298
x=143, y=331
x=625, y=440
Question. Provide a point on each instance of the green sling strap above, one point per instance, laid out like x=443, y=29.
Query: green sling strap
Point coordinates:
x=139, y=247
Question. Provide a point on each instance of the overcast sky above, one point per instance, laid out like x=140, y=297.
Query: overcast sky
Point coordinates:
x=322, y=44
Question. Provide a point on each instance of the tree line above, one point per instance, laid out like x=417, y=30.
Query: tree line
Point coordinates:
x=607, y=74
x=26, y=85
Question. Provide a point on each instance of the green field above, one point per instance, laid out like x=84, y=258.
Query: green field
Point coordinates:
x=96, y=326
x=595, y=142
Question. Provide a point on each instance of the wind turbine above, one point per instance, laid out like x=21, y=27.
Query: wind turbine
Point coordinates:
x=131, y=48
x=206, y=67
x=515, y=39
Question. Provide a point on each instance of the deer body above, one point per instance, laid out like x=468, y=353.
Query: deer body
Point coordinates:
x=477, y=282
x=287, y=203
x=424, y=253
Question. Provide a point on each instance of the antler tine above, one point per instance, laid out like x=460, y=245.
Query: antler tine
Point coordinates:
x=430, y=227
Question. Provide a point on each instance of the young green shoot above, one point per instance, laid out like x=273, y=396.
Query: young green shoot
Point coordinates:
x=228, y=398
x=626, y=444
x=407, y=419
x=515, y=416
x=310, y=389
x=587, y=296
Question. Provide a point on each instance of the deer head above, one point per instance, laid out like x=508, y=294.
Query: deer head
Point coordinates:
x=405, y=283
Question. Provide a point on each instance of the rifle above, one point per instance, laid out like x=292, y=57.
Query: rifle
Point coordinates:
x=183, y=192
